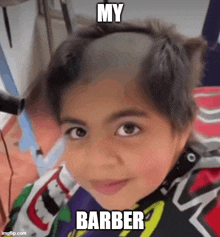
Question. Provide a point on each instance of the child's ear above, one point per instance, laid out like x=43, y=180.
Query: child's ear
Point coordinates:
x=195, y=50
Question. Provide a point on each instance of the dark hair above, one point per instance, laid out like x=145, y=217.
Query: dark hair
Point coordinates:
x=168, y=75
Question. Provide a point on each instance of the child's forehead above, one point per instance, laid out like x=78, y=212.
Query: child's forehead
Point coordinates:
x=117, y=52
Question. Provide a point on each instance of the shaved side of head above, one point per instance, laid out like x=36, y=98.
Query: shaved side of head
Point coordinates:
x=115, y=53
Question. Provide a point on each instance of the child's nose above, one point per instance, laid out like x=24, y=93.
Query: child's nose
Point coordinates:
x=103, y=155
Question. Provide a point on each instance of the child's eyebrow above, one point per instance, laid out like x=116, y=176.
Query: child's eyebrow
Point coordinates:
x=110, y=119
x=126, y=113
x=72, y=120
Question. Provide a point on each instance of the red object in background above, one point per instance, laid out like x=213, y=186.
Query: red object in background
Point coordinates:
x=24, y=170
x=207, y=177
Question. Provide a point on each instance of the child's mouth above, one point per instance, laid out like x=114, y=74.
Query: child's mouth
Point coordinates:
x=109, y=187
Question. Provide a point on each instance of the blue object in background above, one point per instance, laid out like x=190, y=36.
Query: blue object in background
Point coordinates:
x=210, y=32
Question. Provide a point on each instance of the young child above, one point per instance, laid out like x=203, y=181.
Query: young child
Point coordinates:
x=123, y=96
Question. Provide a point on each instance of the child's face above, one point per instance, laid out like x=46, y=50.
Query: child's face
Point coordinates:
x=117, y=146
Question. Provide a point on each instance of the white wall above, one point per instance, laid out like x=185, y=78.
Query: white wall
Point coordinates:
x=189, y=15
x=22, y=21
x=20, y=57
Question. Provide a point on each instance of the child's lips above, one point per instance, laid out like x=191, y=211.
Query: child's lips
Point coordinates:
x=109, y=187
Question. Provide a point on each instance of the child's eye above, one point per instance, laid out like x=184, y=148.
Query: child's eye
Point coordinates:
x=129, y=129
x=76, y=133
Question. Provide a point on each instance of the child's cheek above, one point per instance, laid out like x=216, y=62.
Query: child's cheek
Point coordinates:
x=152, y=166
x=70, y=161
